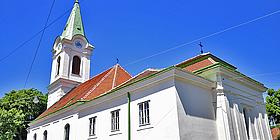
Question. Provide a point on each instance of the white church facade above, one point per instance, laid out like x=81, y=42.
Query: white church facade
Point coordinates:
x=202, y=98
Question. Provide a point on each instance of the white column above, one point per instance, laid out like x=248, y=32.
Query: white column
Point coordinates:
x=237, y=121
x=221, y=113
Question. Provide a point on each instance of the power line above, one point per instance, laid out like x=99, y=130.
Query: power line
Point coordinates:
x=255, y=75
x=39, y=44
x=36, y=34
x=32, y=37
x=204, y=37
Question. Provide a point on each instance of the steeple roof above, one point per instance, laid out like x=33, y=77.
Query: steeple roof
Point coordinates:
x=74, y=25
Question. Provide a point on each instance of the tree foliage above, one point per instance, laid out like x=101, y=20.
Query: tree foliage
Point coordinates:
x=17, y=109
x=273, y=105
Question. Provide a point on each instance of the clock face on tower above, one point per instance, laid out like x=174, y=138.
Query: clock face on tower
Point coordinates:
x=78, y=44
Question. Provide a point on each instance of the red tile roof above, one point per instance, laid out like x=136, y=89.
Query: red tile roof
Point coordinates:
x=199, y=65
x=143, y=74
x=91, y=89
x=201, y=61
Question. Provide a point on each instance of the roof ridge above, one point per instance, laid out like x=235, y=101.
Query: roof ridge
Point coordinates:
x=124, y=70
x=115, y=75
x=97, y=84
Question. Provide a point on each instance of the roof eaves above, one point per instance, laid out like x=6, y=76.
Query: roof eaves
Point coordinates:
x=178, y=68
x=62, y=108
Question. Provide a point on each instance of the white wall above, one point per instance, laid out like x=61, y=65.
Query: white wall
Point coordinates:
x=102, y=112
x=196, y=112
x=55, y=129
x=163, y=113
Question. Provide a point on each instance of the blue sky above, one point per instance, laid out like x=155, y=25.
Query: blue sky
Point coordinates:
x=131, y=30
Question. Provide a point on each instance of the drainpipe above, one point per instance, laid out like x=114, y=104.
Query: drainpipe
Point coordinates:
x=129, y=121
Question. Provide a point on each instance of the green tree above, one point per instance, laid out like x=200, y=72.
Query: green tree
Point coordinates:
x=10, y=121
x=273, y=105
x=17, y=109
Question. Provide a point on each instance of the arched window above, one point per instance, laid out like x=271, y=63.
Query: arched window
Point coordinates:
x=76, y=64
x=35, y=137
x=45, y=135
x=66, y=131
x=58, y=65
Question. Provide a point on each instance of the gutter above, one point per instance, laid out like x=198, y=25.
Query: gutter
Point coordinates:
x=128, y=113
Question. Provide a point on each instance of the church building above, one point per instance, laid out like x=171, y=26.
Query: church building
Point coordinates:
x=201, y=98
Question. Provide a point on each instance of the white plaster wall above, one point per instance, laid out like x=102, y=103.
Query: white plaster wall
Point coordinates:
x=102, y=112
x=195, y=112
x=163, y=113
x=54, y=97
x=55, y=129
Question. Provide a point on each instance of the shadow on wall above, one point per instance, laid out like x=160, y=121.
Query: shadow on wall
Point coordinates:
x=195, y=101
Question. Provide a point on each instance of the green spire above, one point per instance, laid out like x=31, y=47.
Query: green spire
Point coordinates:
x=74, y=23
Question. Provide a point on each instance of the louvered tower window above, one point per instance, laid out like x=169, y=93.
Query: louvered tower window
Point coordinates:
x=76, y=65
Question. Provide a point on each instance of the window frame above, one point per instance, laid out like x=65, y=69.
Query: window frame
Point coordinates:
x=115, y=120
x=144, y=113
x=92, y=126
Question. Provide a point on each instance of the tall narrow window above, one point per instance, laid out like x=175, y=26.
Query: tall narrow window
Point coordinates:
x=246, y=119
x=66, y=131
x=35, y=137
x=58, y=65
x=92, y=130
x=76, y=64
x=144, y=113
x=45, y=135
x=115, y=120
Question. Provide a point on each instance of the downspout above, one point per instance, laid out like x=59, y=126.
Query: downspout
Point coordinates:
x=129, y=121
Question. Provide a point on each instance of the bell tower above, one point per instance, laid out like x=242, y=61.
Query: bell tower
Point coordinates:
x=71, y=57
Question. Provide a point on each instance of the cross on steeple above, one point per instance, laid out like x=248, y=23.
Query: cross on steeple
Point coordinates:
x=201, y=47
